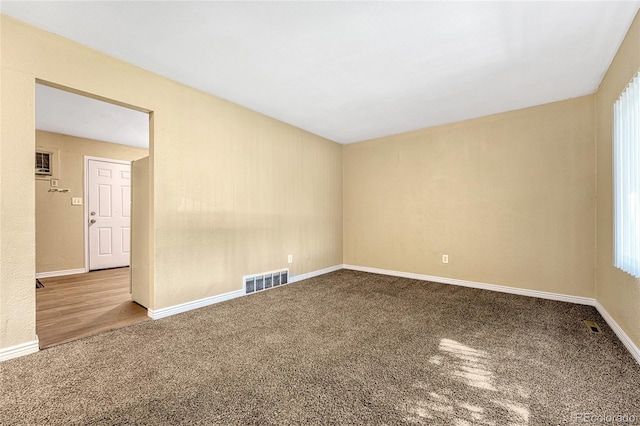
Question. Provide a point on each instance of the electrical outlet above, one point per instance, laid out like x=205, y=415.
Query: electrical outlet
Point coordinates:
x=76, y=201
x=53, y=183
x=445, y=258
x=290, y=258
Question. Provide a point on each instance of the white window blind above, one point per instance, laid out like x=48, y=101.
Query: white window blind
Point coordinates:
x=626, y=178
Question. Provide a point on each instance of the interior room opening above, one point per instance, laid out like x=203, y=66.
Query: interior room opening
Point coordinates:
x=84, y=155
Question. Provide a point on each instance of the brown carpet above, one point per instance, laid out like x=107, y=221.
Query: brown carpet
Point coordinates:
x=343, y=348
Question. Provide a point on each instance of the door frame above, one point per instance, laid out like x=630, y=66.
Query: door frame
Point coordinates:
x=85, y=203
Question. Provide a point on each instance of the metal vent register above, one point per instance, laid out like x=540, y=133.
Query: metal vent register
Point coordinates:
x=264, y=281
x=593, y=327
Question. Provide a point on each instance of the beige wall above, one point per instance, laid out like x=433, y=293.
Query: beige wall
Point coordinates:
x=617, y=291
x=60, y=225
x=17, y=207
x=234, y=191
x=510, y=198
x=141, y=242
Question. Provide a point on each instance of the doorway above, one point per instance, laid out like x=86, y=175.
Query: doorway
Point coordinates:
x=83, y=259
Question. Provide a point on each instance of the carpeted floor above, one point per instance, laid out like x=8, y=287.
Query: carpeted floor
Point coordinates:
x=344, y=348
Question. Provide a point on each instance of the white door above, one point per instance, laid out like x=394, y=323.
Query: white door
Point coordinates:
x=109, y=208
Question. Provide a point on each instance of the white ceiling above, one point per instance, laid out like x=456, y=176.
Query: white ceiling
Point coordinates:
x=70, y=114
x=351, y=71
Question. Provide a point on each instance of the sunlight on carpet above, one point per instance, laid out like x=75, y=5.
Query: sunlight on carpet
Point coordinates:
x=473, y=368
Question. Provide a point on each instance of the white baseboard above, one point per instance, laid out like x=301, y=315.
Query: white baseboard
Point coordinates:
x=315, y=273
x=493, y=287
x=195, y=304
x=60, y=273
x=19, y=350
x=33, y=346
x=624, y=338
x=188, y=306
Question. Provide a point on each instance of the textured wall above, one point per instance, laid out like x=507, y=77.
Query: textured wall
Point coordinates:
x=510, y=198
x=617, y=291
x=59, y=225
x=17, y=207
x=255, y=192
x=141, y=243
x=234, y=192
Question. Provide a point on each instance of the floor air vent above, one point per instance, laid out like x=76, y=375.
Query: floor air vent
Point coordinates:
x=593, y=326
x=265, y=281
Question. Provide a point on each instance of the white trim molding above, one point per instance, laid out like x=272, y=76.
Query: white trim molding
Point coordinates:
x=493, y=287
x=624, y=338
x=201, y=303
x=60, y=273
x=195, y=304
x=19, y=350
x=315, y=273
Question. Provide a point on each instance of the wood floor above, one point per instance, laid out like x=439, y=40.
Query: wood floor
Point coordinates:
x=82, y=305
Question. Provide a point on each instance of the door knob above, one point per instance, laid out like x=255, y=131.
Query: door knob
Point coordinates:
x=92, y=221
x=92, y=213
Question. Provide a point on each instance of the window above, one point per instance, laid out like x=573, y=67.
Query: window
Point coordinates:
x=626, y=178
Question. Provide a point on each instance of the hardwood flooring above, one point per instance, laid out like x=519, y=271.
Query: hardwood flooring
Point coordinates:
x=76, y=306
